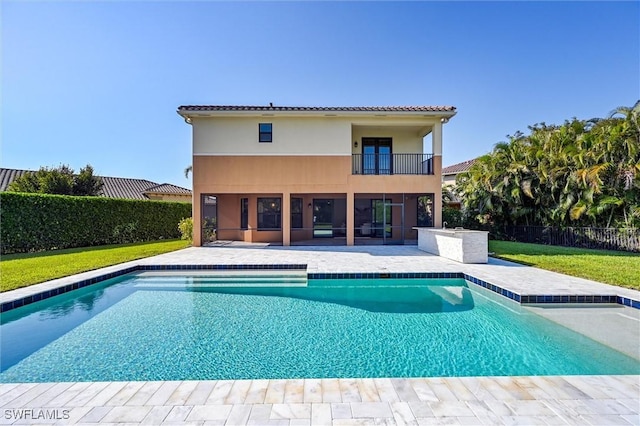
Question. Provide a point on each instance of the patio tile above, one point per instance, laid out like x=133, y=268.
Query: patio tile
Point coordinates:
x=85, y=395
x=182, y=393
x=69, y=394
x=529, y=408
x=371, y=409
x=461, y=392
x=209, y=412
x=341, y=410
x=25, y=394
x=125, y=394
x=239, y=414
x=423, y=390
x=368, y=390
x=260, y=412
x=404, y=390
x=331, y=390
x=451, y=409
x=402, y=413
x=162, y=395
x=95, y=414
x=157, y=414
x=201, y=392
x=144, y=393
x=441, y=390
x=606, y=420
x=257, y=392
x=219, y=392
x=45, y=397
x=290, y=411
x=320, y=414
x=238, y=392
x=386, y=390
x=312, y=390
x=294, y=391
x=178, y=414
x=126, y=414
x=75, y=415
x=275, y=392
x=106, y=394
x=349, y=390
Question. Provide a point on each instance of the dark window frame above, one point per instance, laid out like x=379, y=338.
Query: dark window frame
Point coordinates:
x=297, y=220
x=265, y=136
x=269, y=213
x=244, y=213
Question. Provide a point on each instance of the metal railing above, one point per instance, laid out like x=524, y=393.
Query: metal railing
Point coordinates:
x=392, y=164
x=627, y=239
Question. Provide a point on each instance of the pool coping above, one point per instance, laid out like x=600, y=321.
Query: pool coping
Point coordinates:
x=475, y=400
x=38, y=294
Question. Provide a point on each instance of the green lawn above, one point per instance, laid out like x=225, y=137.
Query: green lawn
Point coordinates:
x=612, y=267
x=21, y=270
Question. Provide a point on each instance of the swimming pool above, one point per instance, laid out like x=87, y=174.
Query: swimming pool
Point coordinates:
x=173, y=327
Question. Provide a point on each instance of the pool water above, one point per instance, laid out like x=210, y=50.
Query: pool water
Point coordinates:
x=141, y=327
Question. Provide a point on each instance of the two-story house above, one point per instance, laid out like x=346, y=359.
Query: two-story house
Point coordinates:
x=295, y=175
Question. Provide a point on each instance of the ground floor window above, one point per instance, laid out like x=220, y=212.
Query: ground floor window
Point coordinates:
x=244, y=213
x=425, y=210
x=296, y=212
x=269, y=213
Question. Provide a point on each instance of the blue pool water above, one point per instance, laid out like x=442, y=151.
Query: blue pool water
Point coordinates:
x=183, y=328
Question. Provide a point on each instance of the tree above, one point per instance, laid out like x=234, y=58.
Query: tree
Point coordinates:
x=581, y=173
x=85, y=183
x=60, y=180
x=188, y=170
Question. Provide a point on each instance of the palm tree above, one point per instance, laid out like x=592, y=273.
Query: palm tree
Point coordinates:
x=188, y=170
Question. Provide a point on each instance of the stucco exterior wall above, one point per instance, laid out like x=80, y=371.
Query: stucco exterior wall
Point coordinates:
x=310, y=156
x=291, y=136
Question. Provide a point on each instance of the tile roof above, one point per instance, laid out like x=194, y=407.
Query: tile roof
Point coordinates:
x=9, y=175
x=458, y=168
x=114, y=187
x=167, y=188
x=186, y=108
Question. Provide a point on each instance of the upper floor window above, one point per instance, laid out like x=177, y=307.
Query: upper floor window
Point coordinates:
x=265, y=131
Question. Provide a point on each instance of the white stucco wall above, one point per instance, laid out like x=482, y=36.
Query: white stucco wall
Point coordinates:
x=405, y=140
x=312, y=135
x=291, y=136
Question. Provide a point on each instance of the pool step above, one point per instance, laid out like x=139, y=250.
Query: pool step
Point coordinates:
x=204, y=279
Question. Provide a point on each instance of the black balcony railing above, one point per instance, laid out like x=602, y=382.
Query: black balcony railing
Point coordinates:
x=392, y=164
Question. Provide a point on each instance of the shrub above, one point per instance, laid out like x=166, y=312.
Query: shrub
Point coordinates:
x=34, y=222
x=186, y=229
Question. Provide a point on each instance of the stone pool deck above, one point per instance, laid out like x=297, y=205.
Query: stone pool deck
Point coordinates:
x=597, y=400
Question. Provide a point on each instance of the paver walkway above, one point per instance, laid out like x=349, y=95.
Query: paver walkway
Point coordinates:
x=597, y=400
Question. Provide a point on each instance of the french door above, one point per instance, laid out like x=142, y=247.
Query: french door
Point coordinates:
x=376, y=156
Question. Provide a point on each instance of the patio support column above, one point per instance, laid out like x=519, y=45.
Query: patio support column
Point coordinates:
x=286, y=219
x=351, y=211
x=436, y=140
x=196, y=211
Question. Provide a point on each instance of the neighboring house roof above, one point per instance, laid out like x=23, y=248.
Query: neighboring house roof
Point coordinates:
x=113, y=187
x=167, y=188
x=458, y=168
x=319, y=109
x=9, y=175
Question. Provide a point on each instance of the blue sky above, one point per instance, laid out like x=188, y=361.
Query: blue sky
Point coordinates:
x=99, y=82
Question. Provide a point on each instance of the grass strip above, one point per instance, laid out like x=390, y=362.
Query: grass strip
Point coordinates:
x=606, y=266
x=25, y=269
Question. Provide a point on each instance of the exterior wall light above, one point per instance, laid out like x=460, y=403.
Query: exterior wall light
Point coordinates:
x=355, y=144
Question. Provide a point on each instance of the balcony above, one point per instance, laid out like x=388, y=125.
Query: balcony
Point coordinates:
x=392, y=164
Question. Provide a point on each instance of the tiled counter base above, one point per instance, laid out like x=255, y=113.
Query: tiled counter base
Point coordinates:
x=574, y=400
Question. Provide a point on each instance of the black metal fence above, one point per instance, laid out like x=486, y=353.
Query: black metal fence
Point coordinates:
x=392, y=164
x=627, y=239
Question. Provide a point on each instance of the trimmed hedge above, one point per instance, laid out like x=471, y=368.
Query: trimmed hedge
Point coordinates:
x=34, y=222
